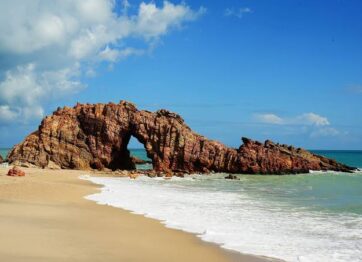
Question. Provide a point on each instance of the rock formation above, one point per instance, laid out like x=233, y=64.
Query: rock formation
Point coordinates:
x=15, y=171
x=95, y=136
x=1, y=159
x=232, y=177
x=139, y=161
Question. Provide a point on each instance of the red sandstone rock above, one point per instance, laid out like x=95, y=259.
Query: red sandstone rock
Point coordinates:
x=15, y=171
x=95, y=136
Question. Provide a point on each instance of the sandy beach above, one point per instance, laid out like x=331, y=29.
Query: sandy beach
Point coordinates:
x=44, y=217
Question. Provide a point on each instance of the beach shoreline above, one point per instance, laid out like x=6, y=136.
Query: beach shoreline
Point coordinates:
x=45, y=217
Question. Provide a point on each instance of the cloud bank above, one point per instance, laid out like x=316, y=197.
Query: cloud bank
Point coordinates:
x=47, y=46
x=304, y=119
x=320, y=125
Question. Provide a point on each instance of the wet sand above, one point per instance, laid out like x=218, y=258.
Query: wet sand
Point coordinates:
x=44, y=217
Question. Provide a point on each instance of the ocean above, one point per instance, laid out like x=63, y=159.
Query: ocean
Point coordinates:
x=4, y=152
x=306, y=217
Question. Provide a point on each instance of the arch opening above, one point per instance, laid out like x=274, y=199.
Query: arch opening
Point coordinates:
x=138, y=154
x=120, y=156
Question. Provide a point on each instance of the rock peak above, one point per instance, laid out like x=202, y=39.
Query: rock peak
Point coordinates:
x=170, y=115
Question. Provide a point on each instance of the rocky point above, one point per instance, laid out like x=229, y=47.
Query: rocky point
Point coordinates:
x=95, y=136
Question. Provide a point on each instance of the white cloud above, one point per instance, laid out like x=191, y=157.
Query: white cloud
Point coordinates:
x=113, y=55
x=23, y=89
x=109, y=54
x=239, y=13
x=269, y=118
x=313, y=119
x=304, y=119
x=154, y=22
x=312, y=123
x=9, y=115
x=6, y=114
x=46, y=46
x=125, y=6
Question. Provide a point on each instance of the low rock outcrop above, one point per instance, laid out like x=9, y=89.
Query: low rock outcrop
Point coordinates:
x=1, y=159
x=15, y=171
x=232, y=177
x=95, y=136
x=139, y=161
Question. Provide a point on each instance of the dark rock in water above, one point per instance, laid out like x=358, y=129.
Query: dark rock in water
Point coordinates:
x=95, y=136
x=231, y=176
x=1, y=159
x=139, y=161
x=151, y=174
x=179, y=174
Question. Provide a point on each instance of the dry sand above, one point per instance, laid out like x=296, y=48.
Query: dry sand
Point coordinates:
x=44, y=217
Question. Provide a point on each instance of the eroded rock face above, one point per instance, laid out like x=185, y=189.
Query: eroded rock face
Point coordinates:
x=95, y=136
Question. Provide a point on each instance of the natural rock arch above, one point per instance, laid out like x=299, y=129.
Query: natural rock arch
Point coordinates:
x=95, y=136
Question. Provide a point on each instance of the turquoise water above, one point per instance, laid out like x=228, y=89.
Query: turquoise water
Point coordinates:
x=306, y=217
x=321, y=209
x=348, y=157
x=4, y=152
x=140, y=153
x=327, y=192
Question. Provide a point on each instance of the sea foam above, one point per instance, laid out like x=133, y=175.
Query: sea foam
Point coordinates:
x=235, y=219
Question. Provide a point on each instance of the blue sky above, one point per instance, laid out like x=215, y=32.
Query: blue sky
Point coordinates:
x=290, y=71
